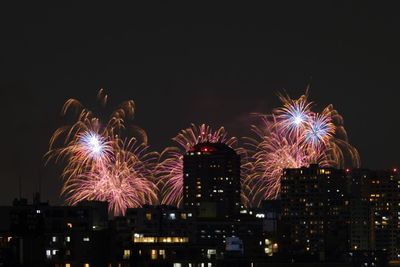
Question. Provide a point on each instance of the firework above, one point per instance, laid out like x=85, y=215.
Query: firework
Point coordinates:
x=123, y=182
x=170, y=169
x=106, y=162
x=294, y=136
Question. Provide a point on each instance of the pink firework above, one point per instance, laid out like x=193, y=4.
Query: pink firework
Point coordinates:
x=96, y=158
x=292, y=137
x=170, y=169
x=123, y=182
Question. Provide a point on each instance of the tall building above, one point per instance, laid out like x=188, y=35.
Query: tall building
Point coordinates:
x=385, y=203
x=382, y=190
x=315, y=212
x=212, y=180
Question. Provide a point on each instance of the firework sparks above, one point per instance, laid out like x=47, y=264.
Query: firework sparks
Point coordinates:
x=98, y=164
x=123, y=183
x=294, y=136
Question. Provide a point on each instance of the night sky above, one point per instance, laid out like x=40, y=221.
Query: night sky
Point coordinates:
x=183, y=64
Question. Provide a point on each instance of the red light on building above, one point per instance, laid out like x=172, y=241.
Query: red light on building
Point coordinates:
x=207, y=149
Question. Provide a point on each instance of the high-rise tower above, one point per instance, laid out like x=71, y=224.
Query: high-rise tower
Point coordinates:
x=212, y=180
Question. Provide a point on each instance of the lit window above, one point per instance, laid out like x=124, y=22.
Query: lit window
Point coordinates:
x=148, y=216
x=68, y=239
x=86, y=239
x=172, y=216
x=127, y=254
x=211, y=252
x=86, y=265
x=183, y=216
x=153, y=255
x=189, y=215
x=48, y=253
x=54, y=252
x=198, y=195
x=38, y=211
x=161, y=252
x=69, y=225
x=54, y=239
x=67, y=265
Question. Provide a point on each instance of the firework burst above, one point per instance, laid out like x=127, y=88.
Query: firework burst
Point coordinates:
x=101, y=164
x=294, y=136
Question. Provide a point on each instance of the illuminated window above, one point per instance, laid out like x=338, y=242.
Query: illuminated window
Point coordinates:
x=86, y=265
x=153, y=255
x=54, y=252
x=54, y=239
x=69, y=225
x=86, y=239
x=67, y=265
x=172, y=216
x=183, y=216
x=38, y=211
x=198, y=195
x=68, y=239
x=148, y=216
x=161, y=252
x=177, y=264
x=127, y=254
x=148, y=239
x=48, y=254
x=211, y=252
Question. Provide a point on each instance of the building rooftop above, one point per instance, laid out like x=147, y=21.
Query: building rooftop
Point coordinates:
x=212, y=148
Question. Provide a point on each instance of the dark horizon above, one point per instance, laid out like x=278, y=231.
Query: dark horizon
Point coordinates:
x=187, y=66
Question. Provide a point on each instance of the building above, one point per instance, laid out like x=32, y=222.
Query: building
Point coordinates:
x=350, y=215
x=376, y=225
x=212, y=185
x=42, y=235
x=315, y=213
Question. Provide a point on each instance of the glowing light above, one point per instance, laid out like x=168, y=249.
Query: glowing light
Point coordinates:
x=104, y=161
x=293, y=136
